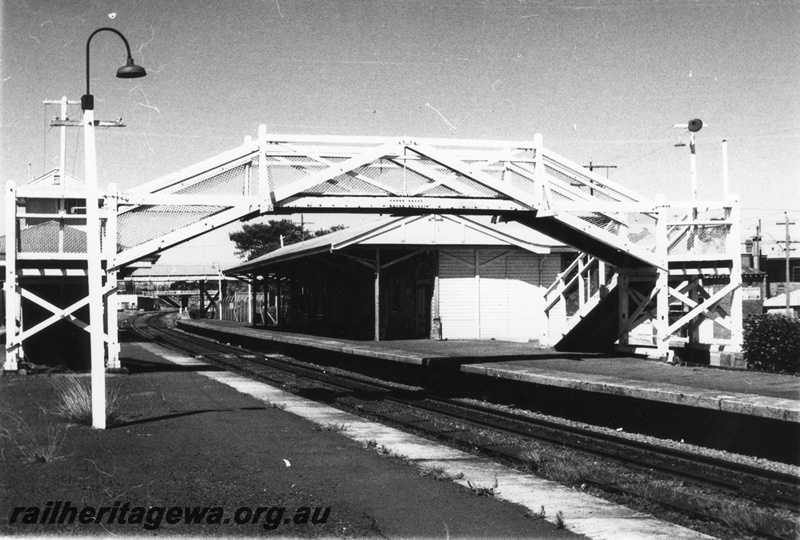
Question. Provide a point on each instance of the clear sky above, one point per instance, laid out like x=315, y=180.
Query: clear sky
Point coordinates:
x=604, y=80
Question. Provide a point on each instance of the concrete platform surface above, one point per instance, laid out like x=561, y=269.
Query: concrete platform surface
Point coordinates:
x=738, y=391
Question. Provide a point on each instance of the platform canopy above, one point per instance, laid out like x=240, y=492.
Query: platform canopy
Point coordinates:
x=412, y=232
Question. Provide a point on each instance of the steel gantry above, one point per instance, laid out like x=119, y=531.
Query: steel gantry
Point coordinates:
x=671, y=268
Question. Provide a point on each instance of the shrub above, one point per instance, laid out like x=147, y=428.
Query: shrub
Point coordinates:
x=772, y=343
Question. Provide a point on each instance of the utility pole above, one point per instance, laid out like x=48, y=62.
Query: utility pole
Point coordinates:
x=757, y=247
x=786, y=222
x=303, y=224
x=591, y=166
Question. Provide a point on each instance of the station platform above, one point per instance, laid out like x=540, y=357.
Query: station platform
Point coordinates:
x=756, y=394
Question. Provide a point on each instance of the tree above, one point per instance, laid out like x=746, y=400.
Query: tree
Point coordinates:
x=323, y=232
x=257, y=239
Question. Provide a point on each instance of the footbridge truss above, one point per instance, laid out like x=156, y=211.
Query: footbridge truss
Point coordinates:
x=672, y=268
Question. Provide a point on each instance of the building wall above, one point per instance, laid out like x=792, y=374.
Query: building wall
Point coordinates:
x=494, y=293
x=776, y=275
x=484, y=293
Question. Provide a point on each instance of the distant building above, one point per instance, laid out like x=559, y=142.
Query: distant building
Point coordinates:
x=777, y=304
x=770, y=258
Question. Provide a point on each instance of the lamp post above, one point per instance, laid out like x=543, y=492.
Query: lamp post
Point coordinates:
x=94, y=270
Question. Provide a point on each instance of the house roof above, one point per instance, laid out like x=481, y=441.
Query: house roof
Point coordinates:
x=778, y=251
x=413, y=231
x=52, y=178
x=779, y=301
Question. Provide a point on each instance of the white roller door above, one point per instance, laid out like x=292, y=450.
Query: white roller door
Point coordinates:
x=526, y=319
x=494, y=296
x=502, y=300
x=458, y=299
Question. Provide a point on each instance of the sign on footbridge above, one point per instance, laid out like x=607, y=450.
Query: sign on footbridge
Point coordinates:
x=673, y=265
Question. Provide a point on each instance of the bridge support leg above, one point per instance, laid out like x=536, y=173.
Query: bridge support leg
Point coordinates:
x=112, y=305
x=13, y=323
x=661, y=322
x=13, y=299
x=112, y=300
x=737, y=313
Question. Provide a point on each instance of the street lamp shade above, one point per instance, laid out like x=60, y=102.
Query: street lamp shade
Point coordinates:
x=131, y=70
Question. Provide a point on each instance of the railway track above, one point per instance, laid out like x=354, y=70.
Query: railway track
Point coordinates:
x=503, y=433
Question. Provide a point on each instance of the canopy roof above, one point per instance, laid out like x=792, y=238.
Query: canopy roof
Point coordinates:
x=413, y=232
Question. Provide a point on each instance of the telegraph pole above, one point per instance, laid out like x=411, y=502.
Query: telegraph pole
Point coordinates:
x=786, y=222
x=303, y=224
x=591, y=166
x=757, y=247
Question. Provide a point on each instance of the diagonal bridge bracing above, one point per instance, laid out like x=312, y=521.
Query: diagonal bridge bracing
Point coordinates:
x=514, y=180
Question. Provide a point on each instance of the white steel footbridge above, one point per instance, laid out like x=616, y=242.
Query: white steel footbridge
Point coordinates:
x=674, y=266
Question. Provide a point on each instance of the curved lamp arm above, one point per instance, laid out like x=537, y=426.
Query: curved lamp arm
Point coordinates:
x=128, y=71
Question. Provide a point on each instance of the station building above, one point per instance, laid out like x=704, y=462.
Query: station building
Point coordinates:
x=417, y=277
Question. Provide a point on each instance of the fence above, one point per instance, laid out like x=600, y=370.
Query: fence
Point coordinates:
x=237, y=308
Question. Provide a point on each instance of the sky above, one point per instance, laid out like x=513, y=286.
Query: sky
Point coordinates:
x=602, y=80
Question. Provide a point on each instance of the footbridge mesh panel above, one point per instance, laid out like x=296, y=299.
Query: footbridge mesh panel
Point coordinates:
x=700, y=236
x=438, y=171
x=145, y=223
x=285, y=170
x=227, y=182
x=392, y=176
x=65, y=235
x=140, y=224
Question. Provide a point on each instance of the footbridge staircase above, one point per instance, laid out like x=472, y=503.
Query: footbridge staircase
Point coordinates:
x=656, y=271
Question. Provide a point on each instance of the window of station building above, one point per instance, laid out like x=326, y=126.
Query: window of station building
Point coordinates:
x=795, y=273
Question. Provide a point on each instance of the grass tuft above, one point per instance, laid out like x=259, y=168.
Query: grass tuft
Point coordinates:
x=336, y=428
x=541, y=514
x=34, y=449
x=436, y=472
x=279, y=406
x=75, y=399
x=483, y=491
